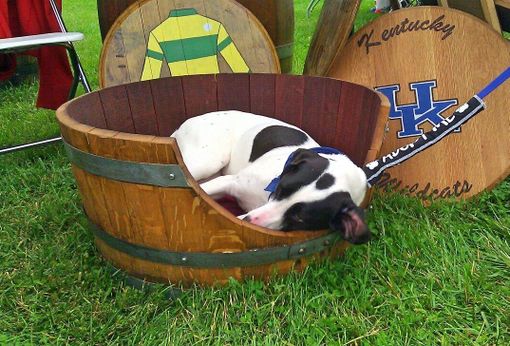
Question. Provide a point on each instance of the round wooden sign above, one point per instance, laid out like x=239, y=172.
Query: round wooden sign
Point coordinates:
x=276, y=16
x=158, y=38
x=428, y=61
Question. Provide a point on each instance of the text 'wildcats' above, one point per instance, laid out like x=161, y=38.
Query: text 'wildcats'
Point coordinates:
x=426, y=109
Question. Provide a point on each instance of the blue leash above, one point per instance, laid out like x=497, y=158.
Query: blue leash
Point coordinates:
x=475, y=105
x=494, y=84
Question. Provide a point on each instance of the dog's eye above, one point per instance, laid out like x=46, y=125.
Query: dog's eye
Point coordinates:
x=297, y=215
x=298, y=218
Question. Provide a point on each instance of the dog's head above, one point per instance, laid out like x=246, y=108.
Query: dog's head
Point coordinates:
x=317, y=191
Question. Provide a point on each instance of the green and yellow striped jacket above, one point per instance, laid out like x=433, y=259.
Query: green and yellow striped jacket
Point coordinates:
x=190, y=44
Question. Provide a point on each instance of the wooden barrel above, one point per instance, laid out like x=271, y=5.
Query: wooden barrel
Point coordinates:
x=108, y=11
x=149, y=216
x=276, y=16
x=428, y=61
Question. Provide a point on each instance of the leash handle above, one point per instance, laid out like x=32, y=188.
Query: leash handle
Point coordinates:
x=475, y=105
x=495, y=83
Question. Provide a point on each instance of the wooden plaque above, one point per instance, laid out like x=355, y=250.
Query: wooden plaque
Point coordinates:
x=427, y=61
x=159, y=38
x=276, y=16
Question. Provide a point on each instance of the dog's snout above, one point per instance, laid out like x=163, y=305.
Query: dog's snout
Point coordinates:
x=255, y=219
x=363, y=238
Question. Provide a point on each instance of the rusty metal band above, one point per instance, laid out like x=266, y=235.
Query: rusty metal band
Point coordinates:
x=247, y=258
x=285, y=51
x=170, y=291
x=155, y=174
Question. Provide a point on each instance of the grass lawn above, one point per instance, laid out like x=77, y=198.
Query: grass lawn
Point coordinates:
x=439, y=275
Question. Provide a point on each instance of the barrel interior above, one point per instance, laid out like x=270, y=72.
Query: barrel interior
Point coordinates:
x=336, y=113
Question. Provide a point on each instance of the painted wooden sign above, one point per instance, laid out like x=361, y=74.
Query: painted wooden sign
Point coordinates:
x=276, y=16
x=158, y=38
x=427, y=61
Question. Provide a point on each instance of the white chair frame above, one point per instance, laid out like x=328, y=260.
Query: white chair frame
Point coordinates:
x=64, y=39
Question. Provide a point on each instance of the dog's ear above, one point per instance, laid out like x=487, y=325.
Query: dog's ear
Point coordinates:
x=304, y=167
x=299, y=156
x=350, y=222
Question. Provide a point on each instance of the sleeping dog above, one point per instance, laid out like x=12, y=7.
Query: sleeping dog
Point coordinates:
x=277, y=173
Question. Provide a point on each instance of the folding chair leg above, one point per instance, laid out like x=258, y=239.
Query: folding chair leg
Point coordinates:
x=79, y=73
x=75, y=60
x=78, y=76
x=30, y=145
x=76, y=72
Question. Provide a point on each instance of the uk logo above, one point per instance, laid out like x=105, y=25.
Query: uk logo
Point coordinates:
x=426, y=109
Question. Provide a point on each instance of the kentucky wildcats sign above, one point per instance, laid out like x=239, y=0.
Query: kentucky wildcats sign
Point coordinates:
x=425, y=109
x=424, y=62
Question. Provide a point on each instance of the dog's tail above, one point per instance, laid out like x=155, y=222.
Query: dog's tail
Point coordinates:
x=462, y=115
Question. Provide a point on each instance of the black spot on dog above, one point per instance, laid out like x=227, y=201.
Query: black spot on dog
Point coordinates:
x=274, y=137
x=327, y=180
x=315, y=215
x=337, y=212
x=304, y=167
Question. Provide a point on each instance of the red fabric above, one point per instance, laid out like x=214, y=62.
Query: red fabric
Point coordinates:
x=230, y=203
x=31, y=17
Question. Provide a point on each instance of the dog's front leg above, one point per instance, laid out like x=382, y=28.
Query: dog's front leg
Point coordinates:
x=219, y=187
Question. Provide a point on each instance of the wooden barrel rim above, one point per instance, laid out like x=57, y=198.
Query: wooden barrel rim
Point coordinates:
x=131, y=8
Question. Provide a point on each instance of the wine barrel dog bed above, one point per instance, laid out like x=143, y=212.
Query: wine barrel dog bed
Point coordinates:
x=150, y=218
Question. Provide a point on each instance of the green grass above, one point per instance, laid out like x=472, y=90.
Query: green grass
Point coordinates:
x=437, y=275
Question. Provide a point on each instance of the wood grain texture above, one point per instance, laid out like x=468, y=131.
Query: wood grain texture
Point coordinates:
x=109, y=11
x=460, y=64
x=238, y=85
x=289, y=95
x=277, y=17
x=186, y=219
x=262, y=94
x=335, y=24
x=123, y=56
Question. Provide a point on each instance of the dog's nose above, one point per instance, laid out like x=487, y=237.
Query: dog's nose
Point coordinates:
x=247, y=218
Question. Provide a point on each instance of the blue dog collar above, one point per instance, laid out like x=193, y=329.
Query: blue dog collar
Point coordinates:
x=319, y=150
